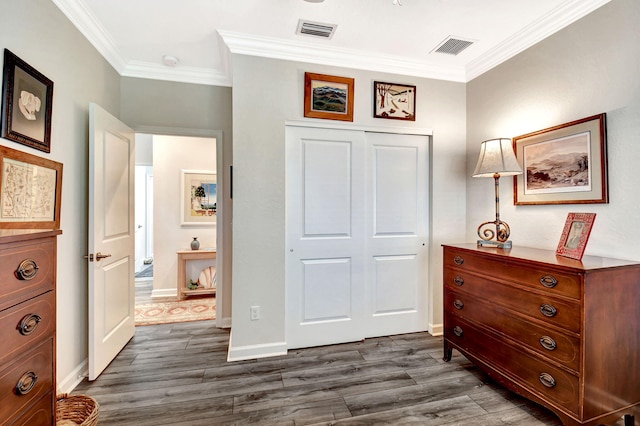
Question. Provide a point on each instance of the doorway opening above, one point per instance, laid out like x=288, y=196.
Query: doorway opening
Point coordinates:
x=162, y=231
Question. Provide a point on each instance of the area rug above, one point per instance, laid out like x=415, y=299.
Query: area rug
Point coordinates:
x=168, y=312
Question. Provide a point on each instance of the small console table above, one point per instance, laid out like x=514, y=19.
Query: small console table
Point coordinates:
x=183, y=257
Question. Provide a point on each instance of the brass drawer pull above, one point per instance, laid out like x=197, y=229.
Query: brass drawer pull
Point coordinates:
x=457, y=330
x=27, y=270
x=547, y=380
x=548, y=343
x=29, y=324
x=548, y=310
x=549, y=281
x=458, y=260
x=26, y=383
x=458, y=281
x=458, y=304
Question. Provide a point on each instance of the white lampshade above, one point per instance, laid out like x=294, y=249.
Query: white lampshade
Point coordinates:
x=496, y=156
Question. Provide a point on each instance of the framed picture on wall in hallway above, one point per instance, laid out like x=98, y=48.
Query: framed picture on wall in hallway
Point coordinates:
x=198, y=197
x=27, y=100
x=394, y=101
x=328, y=96
x=565, y=164
x=30, y=191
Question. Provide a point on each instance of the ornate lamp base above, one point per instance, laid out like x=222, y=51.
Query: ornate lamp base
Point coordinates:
x=496, y=244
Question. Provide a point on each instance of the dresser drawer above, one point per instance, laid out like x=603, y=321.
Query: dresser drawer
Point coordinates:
x=33, y=372
x=556, y=282
x=526, y=370
x=43, y=413
x=24, y=326
x=557, y=346
x=560, y=313
x=26, y=270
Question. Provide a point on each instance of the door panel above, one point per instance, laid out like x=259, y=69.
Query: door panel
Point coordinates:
x=111, y=232
x=329, y=281
x=389, y=297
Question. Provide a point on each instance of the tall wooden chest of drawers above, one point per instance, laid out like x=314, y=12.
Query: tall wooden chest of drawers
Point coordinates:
x=27, y=327
x=561, y=332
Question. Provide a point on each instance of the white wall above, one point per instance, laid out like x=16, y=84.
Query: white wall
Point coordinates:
x=588, y=68
x=262, y=102
x=52, y=45
x=171, y=154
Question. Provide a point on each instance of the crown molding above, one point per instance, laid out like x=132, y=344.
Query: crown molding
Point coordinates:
x=181, y=74
x=564, y=15
x=274, y=48
x=80, y=16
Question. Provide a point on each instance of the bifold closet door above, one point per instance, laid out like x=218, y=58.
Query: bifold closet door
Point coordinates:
x=357, y=217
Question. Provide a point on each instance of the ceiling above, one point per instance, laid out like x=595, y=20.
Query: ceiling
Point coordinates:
x=395, y=36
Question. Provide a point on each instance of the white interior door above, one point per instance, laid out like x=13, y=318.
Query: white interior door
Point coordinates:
x=357, y=235
x=111, y=238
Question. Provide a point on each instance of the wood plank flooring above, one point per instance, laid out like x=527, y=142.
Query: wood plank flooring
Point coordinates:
x=177, y=374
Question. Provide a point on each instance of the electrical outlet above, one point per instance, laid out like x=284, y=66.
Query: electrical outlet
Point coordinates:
x=255, y=313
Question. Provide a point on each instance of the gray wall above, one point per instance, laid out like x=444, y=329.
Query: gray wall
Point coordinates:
x=588, y=68
x=262, y=102
x=37, y=32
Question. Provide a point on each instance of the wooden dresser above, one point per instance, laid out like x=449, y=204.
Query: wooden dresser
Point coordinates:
x=561, y=332
x=27, y=327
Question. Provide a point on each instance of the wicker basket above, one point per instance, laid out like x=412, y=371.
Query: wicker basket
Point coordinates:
x=81, y=409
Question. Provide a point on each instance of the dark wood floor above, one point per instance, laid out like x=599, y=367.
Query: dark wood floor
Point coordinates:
x=177, y=374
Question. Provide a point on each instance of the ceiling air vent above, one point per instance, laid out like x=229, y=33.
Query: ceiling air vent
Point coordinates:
x=452, y=46
x=316, y=29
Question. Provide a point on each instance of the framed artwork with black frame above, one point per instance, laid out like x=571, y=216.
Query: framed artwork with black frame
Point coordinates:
x=27, y=101
x=394, y=101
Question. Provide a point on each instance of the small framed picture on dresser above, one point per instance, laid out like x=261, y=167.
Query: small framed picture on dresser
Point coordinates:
x=575, y=235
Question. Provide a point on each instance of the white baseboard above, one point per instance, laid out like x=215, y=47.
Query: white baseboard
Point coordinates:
x=255, y=351
x=70, y=382
x=163, y=293
x=223, y=322
x=436, y=329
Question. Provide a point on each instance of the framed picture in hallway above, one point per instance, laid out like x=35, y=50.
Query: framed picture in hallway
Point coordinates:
x=328, y=96
x=198, y=195
x=27, y=100
x=394, y=101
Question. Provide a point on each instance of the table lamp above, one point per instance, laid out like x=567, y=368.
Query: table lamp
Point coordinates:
x=496, y=159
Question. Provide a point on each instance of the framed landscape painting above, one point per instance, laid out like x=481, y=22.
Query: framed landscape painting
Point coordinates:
x=328, y=97
x=565, y=164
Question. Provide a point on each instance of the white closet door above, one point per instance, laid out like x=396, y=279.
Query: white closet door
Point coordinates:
x=396, y=235
x=356, y=222
x=324, y=269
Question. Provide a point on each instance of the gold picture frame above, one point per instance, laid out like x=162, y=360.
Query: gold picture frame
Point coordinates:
x=328, y=97
x=30, y=191
x=198, y=195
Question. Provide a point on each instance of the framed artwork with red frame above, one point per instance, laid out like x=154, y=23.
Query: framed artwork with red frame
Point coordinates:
x=575, y=235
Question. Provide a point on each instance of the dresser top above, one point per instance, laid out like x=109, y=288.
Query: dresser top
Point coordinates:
x=10, y=235
x=546, y=256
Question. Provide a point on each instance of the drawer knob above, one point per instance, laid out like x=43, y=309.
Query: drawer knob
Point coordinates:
x=548, y=343
x=458, y=304
x=26, y=383
x=457, y=330
x=549, y=281
x=458, y=281
x=548, y=310
x=458, y=260
x=29, y=324
x=27, y=270
x=547, y=380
